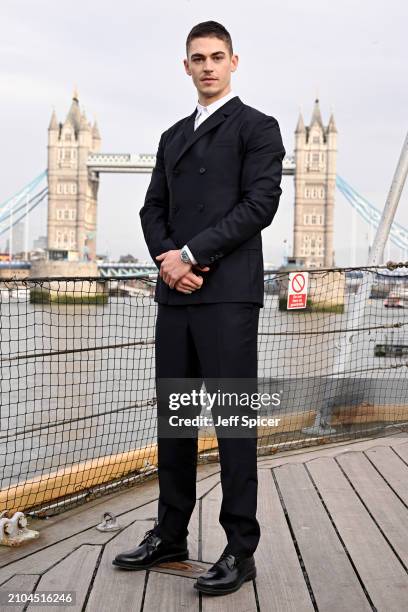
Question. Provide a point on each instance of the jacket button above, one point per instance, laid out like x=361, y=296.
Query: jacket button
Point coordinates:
x=200, y=207
x=211, y=258
x=202, y=170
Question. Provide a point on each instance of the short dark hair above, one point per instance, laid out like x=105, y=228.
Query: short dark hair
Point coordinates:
x=210, y=28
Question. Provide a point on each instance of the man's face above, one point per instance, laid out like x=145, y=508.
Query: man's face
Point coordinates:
x=210, y=65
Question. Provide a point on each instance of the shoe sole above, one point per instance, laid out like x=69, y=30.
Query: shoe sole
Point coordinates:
x=212, y=591
x=178, y=557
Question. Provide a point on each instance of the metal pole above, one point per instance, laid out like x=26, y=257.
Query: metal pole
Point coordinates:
x=390, y=208
x=26, y=228
x=11, y=232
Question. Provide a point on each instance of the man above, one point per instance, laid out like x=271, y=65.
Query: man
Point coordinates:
x=215, y=186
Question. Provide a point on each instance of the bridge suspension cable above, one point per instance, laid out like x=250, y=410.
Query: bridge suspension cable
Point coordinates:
x=398, y=233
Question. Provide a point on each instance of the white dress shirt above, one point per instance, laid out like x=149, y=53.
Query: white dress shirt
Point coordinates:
x=203, y=112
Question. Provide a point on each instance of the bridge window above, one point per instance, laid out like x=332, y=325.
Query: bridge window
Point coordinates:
x=313, y=219
x=73, y=214
x=321, y=192
x=307, y=192
x=66, y=214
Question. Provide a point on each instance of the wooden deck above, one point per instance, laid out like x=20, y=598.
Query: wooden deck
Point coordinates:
x=334, y=522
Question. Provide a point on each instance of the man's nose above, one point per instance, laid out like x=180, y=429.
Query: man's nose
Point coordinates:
x=208, y=66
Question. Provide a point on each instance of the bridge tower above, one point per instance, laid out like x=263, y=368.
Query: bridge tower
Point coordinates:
x=315, y=182
x=72, y=190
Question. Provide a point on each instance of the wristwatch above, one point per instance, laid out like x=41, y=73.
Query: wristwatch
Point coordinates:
x=185, y=257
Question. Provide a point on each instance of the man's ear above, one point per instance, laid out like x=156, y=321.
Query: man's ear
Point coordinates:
x=234, y=62
x=186, y=67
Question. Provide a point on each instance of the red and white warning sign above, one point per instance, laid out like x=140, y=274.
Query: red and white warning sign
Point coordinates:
x=297, y=290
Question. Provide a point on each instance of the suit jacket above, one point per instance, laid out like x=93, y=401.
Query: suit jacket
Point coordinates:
x=215, y=189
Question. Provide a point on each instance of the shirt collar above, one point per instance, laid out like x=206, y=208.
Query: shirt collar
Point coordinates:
x=211, y=108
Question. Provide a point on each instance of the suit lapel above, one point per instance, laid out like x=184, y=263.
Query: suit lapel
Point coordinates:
x=213, y=120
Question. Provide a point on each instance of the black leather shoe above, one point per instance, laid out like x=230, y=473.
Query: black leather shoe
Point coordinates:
x=152, y=550
x=227, y=574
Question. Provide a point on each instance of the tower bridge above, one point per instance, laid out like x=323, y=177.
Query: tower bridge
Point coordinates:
x=76, y=163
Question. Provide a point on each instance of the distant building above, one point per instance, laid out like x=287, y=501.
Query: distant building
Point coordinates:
x=128, y=259
x=17, y=243
x=72, y=192
x=40, y=243
x=315, y=183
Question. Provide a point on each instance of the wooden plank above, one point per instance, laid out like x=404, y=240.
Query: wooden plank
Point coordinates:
x=242, y=600
x=382, y=574
x=115, y=588
x=392, y=467
x=195, y=535
x=49, y=555
x=329, y=450
x=280, y=583
x=45, y=558
x=388, y=511
x=213, y=535
x=80, y=519
x=87, y=516
x=402, y=451
x=323, y=555
x=165, y=592
x=20, y=582
x=73, y=574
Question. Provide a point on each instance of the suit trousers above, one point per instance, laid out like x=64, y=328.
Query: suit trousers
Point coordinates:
x=215, y=340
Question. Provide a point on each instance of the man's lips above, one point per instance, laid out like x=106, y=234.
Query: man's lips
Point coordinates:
x=209, y=79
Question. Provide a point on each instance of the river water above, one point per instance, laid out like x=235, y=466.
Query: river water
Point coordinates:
x=68, y=407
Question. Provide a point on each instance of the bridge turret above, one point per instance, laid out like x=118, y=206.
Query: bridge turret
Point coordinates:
x=96, y=137
x=53, y=130
x=315, y=180
x=300, y=128
x=316, y=115
x=71, y=191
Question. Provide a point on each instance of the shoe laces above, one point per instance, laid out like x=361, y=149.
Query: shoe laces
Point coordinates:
x=150, y=533
x=224, y=555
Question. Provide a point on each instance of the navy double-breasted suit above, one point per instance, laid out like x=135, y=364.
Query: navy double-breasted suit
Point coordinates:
x=215, y=189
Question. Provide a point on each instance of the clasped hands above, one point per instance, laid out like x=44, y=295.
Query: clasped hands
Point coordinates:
x=177, y=274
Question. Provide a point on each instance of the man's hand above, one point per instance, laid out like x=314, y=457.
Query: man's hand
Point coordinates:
x=191, y=281
x=172, y=268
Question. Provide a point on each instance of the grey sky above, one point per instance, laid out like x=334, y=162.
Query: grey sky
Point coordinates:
x=126, y=59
